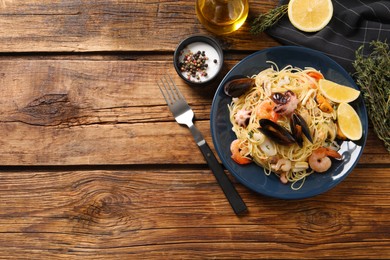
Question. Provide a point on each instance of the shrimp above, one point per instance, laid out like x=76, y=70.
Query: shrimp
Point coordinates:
x=238, y=152
x=283, y=178
x=315, y=76
x=266, y=111
x=319, y=160
x=282, y=165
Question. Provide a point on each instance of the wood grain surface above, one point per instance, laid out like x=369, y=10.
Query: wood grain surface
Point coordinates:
x=111, y=25
x=72, y=112
x=119, y=213
x=93, y=165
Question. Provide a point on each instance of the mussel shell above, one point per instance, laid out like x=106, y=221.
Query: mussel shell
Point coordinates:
x=237, y=87
x=298, y=120
x=296, y=131
x=275, y=132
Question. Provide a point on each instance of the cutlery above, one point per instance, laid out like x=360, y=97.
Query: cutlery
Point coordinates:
x=184, y=115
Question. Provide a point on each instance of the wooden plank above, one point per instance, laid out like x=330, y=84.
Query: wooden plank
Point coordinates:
x=111, y=25
x=76, y=112
x=114, y=213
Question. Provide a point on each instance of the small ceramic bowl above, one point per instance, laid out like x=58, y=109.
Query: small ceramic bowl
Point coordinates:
x=198, y=60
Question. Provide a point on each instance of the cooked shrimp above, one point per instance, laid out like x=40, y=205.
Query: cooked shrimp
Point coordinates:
x=238, y=152
x=266, y=111
x=319, y=160
x=282, y=165
x=283, y=178
x=315, y=76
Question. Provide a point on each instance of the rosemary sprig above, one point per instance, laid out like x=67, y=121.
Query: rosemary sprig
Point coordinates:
x=264, y=21
x=373, y=76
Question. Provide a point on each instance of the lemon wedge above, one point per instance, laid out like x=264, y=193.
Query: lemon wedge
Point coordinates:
x=310, y=15
x=349, y=122
x=336, y=92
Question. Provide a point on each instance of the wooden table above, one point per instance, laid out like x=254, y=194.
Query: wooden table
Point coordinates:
x=93, y=165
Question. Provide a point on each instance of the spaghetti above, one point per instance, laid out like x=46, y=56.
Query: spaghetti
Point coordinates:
x=289, y=161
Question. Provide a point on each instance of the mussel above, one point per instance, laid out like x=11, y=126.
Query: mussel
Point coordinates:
x=282, y=136
x=299, y=121
x=296, y=131
x=237, y=87
x=275, y=132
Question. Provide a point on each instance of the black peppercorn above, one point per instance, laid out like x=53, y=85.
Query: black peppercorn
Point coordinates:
x=194, y=64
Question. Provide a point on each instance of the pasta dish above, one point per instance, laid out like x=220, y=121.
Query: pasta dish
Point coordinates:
x=283, y=123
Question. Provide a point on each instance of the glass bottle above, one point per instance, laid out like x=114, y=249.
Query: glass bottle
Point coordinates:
x=222, y=16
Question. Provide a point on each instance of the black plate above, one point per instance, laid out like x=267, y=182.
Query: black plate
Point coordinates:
x=252, y=175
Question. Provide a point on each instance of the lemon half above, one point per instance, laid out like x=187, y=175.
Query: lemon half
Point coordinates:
x=349, y=122
x=310, y=15
x=336, y=92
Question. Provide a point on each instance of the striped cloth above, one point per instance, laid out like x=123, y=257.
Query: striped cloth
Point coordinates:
x=354, y=23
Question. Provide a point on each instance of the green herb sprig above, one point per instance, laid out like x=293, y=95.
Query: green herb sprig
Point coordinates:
x=373, y=77
x=265, y=21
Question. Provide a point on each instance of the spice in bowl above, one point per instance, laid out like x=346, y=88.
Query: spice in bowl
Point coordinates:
x=198, y=60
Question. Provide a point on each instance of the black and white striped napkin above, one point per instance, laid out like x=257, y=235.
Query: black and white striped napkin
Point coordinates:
x=354, y=23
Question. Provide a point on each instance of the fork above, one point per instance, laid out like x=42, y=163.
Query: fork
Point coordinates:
x=184, y=115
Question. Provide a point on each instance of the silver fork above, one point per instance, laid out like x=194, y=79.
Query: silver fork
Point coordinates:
x=184, y=115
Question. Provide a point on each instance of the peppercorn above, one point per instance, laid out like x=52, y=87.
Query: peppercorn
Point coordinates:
x=194, y=64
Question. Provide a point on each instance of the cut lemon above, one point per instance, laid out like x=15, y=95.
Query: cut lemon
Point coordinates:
x=349, y=122
x=310, y=15
x=336, y=92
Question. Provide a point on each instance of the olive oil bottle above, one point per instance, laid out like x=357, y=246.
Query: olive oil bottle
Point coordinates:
x=222, y=16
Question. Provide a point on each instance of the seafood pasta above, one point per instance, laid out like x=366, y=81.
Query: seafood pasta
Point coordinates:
x=283, y=123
